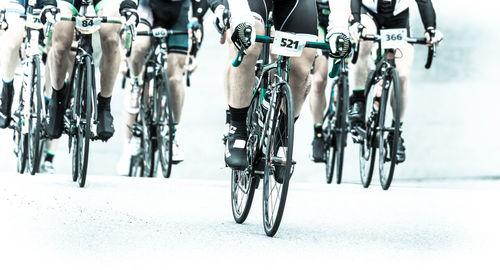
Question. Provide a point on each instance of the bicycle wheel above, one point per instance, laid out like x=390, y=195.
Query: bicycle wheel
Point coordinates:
x=147, y=143
x=242, y=192
x=330, y=152
x=164, y=122
x=83, y=128
x=21, y=141
x=34, y=122
x=367, y=147
x=76, y=112
x=341, y=126
x=388, y=144
x=277, y=150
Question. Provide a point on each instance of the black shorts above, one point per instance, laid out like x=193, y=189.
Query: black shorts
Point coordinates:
x=75, y=5
x=402, y=20
x=172, y=16
x=294, y=16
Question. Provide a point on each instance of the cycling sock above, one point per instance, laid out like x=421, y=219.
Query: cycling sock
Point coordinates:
x=103, y=103
x=49, y=157
x=238, y=115
x=10, y=82
x=59, y=94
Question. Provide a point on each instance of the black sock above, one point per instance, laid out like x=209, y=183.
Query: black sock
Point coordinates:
x=318, y=129
x=103, y=103
x=238, y=116
x=49, y=157
x=59, y=94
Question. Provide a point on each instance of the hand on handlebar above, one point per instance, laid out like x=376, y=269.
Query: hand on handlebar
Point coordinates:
x=221, y=21
x=356, y=31
x=340, y=44
x=433, y=36
x=243, y=36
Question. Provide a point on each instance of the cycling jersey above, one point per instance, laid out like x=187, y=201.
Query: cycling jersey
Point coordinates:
x=168, y=14
x=296, y=16
x=392, y=8
x=19, y=6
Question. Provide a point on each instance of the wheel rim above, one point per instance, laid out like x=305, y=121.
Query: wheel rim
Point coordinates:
x=241, y=194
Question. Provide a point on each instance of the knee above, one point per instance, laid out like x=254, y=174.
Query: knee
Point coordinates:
x=110, y=41
x=300, y=70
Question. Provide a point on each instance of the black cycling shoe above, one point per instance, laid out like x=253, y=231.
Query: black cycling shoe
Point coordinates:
x=400, y=151
x=236, y=154
x=6, y=104
x=105, y=127
x=55, y=117
x=357, y=113
x=318, y=149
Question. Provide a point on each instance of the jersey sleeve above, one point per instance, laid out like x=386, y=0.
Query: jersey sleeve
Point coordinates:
x=356, y=10
x=427, y=13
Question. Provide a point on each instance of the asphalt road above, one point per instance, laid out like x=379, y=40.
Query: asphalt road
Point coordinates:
x=142, y=224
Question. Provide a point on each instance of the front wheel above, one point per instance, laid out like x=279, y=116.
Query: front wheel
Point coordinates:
x=35, y=117
x=389, y=131
x=341, y=126
x=164, y=122
x=278, y=149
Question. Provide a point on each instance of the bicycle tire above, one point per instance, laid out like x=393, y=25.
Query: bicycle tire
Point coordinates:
x=387, y=158
x=274, y=140
x=367, y=148
x=341, y=126
x=83, y=129
x=164, y=123
x=35, y=117
x=242, y=192
x=136, y=167
x=73, y=137
x=147, y=144
x=22, y=145
x=329, y=137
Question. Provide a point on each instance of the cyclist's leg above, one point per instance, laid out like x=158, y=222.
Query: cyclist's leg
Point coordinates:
x=110, y=64
x=240, y=82
x=360, y=72
x=317, y=103
x=57, y=62
x=12, y=39
x=299, y=17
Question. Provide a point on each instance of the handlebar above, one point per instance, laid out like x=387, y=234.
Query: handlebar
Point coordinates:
x=431, y=52
x=159, y=32
x=268, y=39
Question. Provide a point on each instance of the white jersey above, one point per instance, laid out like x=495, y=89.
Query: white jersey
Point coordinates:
x=401, y=5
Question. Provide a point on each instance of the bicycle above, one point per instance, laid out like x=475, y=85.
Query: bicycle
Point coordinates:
x=270, y=125
x=80, y=120
x=382, y=83
x=31, y=110
x=335, y=125
x=154, y=125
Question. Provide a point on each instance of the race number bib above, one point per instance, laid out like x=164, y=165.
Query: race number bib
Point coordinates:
x=87, y=25
x=393, y=38
x=288, y=44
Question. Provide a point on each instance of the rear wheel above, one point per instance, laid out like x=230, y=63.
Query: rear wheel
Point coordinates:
x=330, y=151
x=389, y=130
x=21, y=149
x=35, y=117
x=278, y=149
x=242, y=192
x=147, y=145
x=164, y=122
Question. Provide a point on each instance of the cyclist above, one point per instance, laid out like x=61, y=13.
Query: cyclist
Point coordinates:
x=12, y=40
x=370, y=16
x=59, y=61
x=172, y=15
x=247, y=16
x=317, y=101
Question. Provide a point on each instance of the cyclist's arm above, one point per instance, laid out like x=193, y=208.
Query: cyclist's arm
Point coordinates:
x=427, y=13
x=356, y=10
x=213, y=4
x=339, y=14
x=240, y=12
